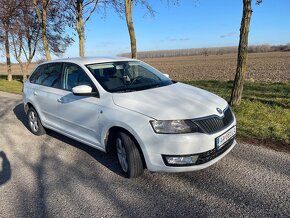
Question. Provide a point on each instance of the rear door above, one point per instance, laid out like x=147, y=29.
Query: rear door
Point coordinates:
x=47, y=90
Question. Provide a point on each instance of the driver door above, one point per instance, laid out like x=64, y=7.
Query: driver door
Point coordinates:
x=79, y=114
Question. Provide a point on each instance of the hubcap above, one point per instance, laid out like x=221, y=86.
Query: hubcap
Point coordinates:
x=33, y=123
x=122, y=156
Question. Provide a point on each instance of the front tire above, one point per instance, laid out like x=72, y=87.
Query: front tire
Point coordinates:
x=34, y=122
x=128, y=156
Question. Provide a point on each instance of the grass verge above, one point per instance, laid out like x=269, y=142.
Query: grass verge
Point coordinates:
x=263, y=115
x=15, y=86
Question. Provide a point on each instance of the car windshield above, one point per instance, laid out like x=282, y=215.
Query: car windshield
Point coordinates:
x=127, y=76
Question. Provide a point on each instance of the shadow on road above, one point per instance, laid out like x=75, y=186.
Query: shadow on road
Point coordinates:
x=20, y=114
x=107, y=159
x=5, y=172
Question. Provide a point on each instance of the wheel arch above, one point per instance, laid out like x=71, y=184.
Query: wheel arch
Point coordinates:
x=27, y=106
x=111, y=137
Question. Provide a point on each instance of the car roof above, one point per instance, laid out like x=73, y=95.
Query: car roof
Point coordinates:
x=91, y=60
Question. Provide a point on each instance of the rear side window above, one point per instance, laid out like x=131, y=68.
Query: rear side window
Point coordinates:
x=36, y=74
x=48, y=75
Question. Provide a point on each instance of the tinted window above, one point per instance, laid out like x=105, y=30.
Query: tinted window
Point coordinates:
x=34, y=76
x=48, y=75
x=74, y=76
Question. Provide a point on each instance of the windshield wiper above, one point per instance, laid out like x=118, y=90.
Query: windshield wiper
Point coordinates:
x=125, y=90
x=156, y=85
x=122, y=89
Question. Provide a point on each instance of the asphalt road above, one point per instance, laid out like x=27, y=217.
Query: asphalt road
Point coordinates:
x=54, y=176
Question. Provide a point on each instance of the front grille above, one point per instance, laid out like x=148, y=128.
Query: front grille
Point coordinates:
x=214, y=123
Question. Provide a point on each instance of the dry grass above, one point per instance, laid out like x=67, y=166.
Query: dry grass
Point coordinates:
x=262, y=67
x=15, y=69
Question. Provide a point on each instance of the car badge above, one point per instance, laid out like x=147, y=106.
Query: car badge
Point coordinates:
x=219, y=110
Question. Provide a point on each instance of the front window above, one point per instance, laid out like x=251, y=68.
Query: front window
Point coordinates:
x=73, y=76
x=127, y=76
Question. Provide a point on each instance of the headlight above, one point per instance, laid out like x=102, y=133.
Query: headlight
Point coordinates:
x=173, y=126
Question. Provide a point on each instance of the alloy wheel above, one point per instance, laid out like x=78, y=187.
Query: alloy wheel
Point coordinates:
x=33, y=121
x=122, y=155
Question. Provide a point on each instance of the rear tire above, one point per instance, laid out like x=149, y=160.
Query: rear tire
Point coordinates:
x=128, y=156
x=34, y=122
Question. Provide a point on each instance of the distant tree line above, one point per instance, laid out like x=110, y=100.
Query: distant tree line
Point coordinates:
x=268, y=48
x=208, y=51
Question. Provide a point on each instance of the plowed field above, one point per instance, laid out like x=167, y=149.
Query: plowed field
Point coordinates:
x=262, y=67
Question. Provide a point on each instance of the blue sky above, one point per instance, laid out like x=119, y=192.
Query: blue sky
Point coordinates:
x=191, y=24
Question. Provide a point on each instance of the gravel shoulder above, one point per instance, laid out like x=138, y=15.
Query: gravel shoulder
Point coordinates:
x=54, y=176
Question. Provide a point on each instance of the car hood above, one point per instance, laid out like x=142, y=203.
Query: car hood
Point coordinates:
x=176, y=101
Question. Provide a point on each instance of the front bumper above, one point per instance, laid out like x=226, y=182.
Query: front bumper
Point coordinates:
x=163, y=168
x=201, y=158
x=200, y=144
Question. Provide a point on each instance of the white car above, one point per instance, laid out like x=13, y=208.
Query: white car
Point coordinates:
x=124, y=105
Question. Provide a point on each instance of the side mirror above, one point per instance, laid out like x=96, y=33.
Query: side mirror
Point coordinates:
x=165, y=74
x=82, y=90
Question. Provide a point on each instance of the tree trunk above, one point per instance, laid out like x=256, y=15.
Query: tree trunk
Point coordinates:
x=8, y=59
x=42, y=20
x=28, y=62
x=45, y=46
x=24, y=78
x=22, y=70
x=241, y=70
x=130, y=25
x=80, y=28
x=43, y=26
x=18, y=59
x=81, y=45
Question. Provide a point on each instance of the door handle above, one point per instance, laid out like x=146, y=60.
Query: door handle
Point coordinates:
x=60, y=100
x=35, y=93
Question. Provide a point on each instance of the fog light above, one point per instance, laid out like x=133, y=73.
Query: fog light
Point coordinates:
x=180, y=160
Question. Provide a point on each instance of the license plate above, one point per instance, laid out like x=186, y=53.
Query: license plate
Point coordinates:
x=221, y=140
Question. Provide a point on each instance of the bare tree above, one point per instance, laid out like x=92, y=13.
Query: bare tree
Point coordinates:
x=130, y=25
x=17, y=47
x=25, y=36
x=82, y=11
x=42, y=17
x=129, y=4
x=241, y=70
x=8, y=12
x=51, y=15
